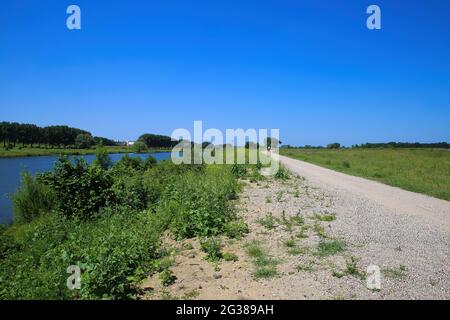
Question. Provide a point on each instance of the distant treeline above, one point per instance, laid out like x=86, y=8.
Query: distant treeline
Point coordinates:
x=440, y=145
x=157, y=141
x=12, y=133
x=392, y=145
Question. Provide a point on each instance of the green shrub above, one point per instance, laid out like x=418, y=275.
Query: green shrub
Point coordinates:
x=282, y=174
x=150, y=162
x=268, y=221
x=140, y=147
x=228, y=256
x=213, y=249
x=32, y=199
x=198, y=204
x=239, y=170
x=130, y=192
x=102, y=158
x=167, y=277
x=7, y=243
x=84, y=141
x=235, y=229
x=81, y=189
x=113, y=253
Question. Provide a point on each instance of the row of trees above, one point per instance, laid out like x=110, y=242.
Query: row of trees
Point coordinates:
x=392, y=145
x=157, y=141
x=12, y=133
x=440, y=145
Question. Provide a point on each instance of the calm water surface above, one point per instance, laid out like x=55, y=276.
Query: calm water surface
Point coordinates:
x=10, y=169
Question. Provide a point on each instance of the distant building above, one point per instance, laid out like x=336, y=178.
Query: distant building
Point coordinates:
x=130, y=143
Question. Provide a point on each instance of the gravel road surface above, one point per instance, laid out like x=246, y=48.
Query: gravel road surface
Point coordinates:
x=391, y=228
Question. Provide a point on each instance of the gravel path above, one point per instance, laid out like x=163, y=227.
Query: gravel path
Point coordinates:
x=391, y=228
x=319, y=231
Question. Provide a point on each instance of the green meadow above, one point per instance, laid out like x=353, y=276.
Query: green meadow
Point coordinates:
x=419, y=170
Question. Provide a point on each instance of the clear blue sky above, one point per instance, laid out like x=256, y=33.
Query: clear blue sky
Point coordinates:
x=310, y=68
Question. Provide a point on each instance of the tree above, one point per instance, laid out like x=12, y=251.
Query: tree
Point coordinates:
x=3, y=132
x=139, y=147
x=334, y=145
x=102, y=158
x=157, y=141
x=84, y=141
x=104, y=141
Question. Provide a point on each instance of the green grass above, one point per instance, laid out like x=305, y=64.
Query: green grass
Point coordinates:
x=325, y=217
x=35, y=151
x=395, y=272
x=419, y=170
x=268, y=221
x=213, y=249
x=289, y=243
x=351, y=268
x=265, y=266
x=229, y=256
x=328, y=248
x=319, y=230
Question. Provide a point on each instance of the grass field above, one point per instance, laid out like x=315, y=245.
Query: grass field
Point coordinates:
x=420, y=170
x=30, y=152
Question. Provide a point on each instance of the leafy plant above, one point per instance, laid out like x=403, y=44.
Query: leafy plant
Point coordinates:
x=82, y=190
x=167, y=277
x=319, y=230
x=235, y=229
x=228, y=256
x=290, y=243
x=32, y=199
x=239, y=170
x=213, y=249
x=268, y=221
x=139, y=147
x=282, y=174
x=279, y=196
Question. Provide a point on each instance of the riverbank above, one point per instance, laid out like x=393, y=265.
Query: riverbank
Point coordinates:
x=109, y=223
x=34, y=152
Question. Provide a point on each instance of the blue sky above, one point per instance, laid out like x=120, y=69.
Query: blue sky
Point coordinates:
x=310, y=68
